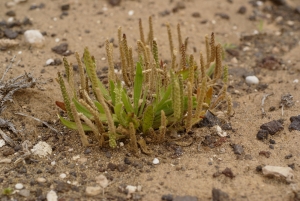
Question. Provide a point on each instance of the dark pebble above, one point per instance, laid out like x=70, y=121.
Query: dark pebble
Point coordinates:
x=272, y=108
x=218, y=195
x=271, y=146
x=164, y=13
x=33, y=7
x=168, y=197
x=22, y=170
x=1, y=180
x=8, y=151
x=65, y=7
x=62, y=49
x=105, y=69
x=101, y=168
x=295, y=123
x=127, y=161
x=10, y=34
x=108, y=154
x=272, y=127
x=272, y=141
x=238, y=149
x=196, y=14
x=39, y=171
x=223, y=16
x=43, y=71
x=63, y=187
x=17, y=148
x=267, y=154
x=73, y=173
x=228, y=173
x=111, y=166
x=179, y=6
x=87, y=151
x=279, y=2
x=262, y=134
x=114, y=2
x=10, y=13
x=289, y=165
x=185, y=198
x=288, y=156
x=122, y=167
x=242, y=10
x=248, y=157
x=209, y=120
x=297, y=10
x=258, y=168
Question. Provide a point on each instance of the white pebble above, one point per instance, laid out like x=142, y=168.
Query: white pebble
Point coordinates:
x=252, y=80
x=102, y=180
x=2, y=143
x=41, y=180
x=52, y=196
x=5, y=160
x=34, y=37
x=57, y=40
x=41, y=149
x=130, y=13
x=49, y=61
x=121, y=144
x=92, y=191
x=295, y=81
x=155, y=161
x=75, y=157
x=277, y=171
x=19, y=186
x=62, y=175
x=131, y=189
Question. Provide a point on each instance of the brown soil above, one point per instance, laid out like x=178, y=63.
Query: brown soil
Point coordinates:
x=90, y=24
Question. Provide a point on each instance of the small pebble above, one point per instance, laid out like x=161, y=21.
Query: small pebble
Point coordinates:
x=92, y=191
x=155, y=161
x=52, y=196
x=49, y=61
x=24, y=192
x=2, y=143
x=62, y=175
x=252, y=80
x=34, y=37
x=130, y=13
x=53, y=163
x=19, y=186
x=41, y=180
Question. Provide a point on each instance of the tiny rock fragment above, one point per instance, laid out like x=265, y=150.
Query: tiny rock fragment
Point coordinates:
x=242, y=10
x=93, y=190
x=114, y=2
x=238, y=149
x=34, y=37
x=102, y=180
x=252, y=80
x=295, y=123
x=155, y=161
x=267, y=154
x=278, y=171
x=49, y=61
x=5, y=160
x=24, y=192
x=209, y=120
x=185, y=198
x=2, y=143
x=74, y=158
x=131, y=189
x=19, y=186
x=219, y=131
x=168, y=197
x=52, y=196
x=62, y=175
x=228, y=173
x=262, y=134
x=272, y=127
x=7, y=43
x=218, y=195
x=62, y=49
x=65, y=7
x=41, y=149
x=41, y=180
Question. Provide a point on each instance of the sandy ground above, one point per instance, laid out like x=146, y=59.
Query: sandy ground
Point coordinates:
x=90, y=23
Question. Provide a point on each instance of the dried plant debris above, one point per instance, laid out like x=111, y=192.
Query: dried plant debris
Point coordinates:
x=7, y=89
x=287, y=100
x=295, y=123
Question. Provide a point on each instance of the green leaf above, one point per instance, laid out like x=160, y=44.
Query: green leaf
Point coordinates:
x=99, y=107
x=143, y=103
x=211, y=70
x=126, y=102
x=120, y=114
x=72, y=125
x=166, y=96
x=137, y=91
x=80, y=108
x=148, y=118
